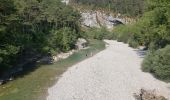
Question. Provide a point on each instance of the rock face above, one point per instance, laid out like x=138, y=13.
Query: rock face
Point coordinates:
x=89, y=19
x=99, y=18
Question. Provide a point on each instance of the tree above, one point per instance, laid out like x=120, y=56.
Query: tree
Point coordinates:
x=30, y=27
x=128, y=7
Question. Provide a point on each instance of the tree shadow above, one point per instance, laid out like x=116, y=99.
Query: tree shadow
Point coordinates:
x=20, y=71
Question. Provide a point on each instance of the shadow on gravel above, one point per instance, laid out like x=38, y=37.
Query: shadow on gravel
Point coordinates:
x=140, y=53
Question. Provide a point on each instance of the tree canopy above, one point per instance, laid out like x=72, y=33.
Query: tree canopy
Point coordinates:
x=128, y=7
x=31, y=27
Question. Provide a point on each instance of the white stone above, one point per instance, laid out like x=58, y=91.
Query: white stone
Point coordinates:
x=81, y=43
x=65, y=1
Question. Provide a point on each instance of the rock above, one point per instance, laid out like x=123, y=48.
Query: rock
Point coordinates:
x=55, y=58
x=62, y=55
x=142, y=47
x=148, y=95
x=11, y=79
x=65, y=1
x=89, y=19
x=1, y=82
x=81, y=43
x=98, y=19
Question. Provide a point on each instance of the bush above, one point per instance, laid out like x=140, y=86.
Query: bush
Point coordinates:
x=124, y=37
x=123, y=33
x=158, y=63
x=99, y=34
x=148, y=62
x=133, y=44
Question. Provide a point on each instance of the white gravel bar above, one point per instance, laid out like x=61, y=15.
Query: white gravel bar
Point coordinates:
x=112, y=74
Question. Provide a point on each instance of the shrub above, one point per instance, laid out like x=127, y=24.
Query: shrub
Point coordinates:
x=124, y=37
x=158, y=63
x=99, y=34
x=133, y=43
x=135, y=40
x=122, y=33
x=147, y=64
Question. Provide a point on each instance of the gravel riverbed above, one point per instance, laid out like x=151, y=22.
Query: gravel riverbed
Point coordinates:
x=112, y=74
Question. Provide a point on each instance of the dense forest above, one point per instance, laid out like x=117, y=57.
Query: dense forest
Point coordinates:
x=152, y=31
x=30, y=28
x=127, y=7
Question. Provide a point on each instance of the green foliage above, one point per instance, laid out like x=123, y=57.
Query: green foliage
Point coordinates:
x=35, y=27
x=98, y=33
x=127, y=7
x=63, y=39
x=154, y=28
x=158, y=63
x=152, y=31
x=122, y=33
x=133, y=43
x=34, y=85
x=128, y=34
